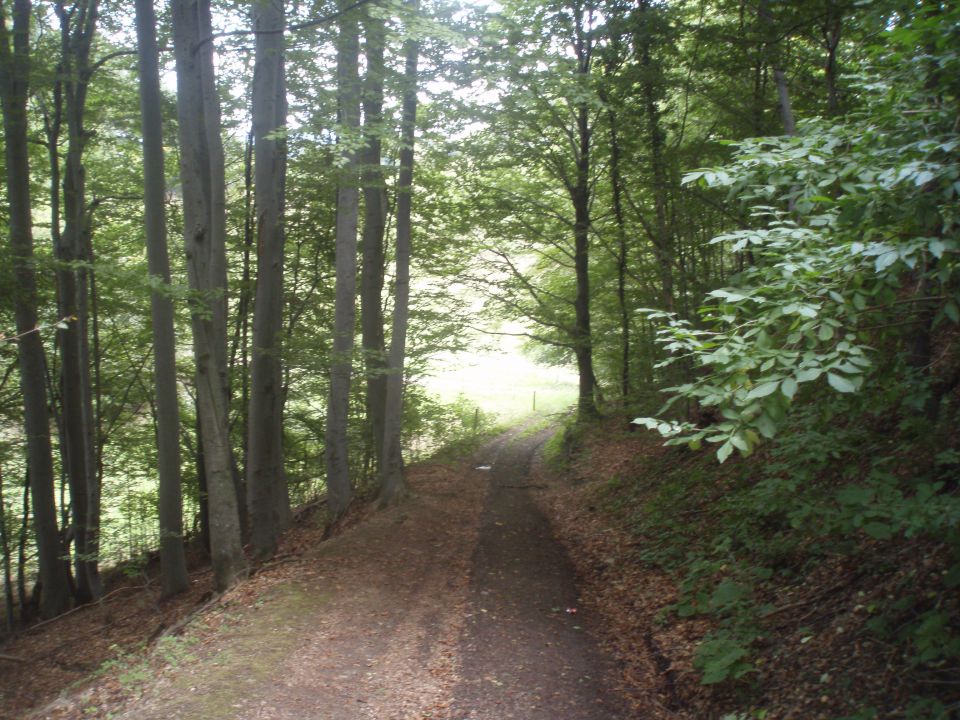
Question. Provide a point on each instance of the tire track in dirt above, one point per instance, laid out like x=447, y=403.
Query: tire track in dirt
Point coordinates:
x=527, y=651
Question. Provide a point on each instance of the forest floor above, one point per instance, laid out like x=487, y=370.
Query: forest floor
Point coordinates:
x=504, y=586
x=458, y=603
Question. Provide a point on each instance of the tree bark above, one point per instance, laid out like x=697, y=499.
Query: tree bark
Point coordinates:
x=656, y=141
x=22, y=551
x=7, y=567
x=374, y=226
x=768, y=23
x=203, y=189
x=616, y=183
x=268, y=498
x=77, y=28
x=173, y=564
x=832, y=31
x=580, y=198
x=339, y=487
x=14, y=83
x=392, y=482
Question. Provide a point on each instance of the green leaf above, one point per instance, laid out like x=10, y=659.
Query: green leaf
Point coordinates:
x=766, y=426
x=886, y=260
x=727, y=295
x=724, y=452
x=840, y=384
x=825, y=333
x=937, y=247
x=808, y=374
x=789, y=387
x=763, y=390
x=951, y=311
x=740, y=443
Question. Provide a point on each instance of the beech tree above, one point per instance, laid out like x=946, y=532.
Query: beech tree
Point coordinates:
x=339, y=488
x=14, y=87
x=392, y=483
x=269, y=501
x=72, y=248
x=374, y=229
x=203, y=195
x=546, y=125
x=174, y=578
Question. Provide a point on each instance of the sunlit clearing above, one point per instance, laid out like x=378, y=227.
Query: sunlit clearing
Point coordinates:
x=502, y=381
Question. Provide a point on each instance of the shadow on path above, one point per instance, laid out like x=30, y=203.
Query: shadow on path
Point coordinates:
x=526, y=651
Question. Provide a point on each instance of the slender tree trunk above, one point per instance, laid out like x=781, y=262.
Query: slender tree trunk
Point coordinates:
x=831, y=34
x=7, y=566
x=203, y=495
x=268, y=499
x=616, y=184
x=768, y=23
x=392, y=483
x=240, y=352
x=339, y=487
x=580, y=198
x=173, y=564
x=203, y=187
x=656, y=141
x=14, y=79
x=77, y=28
x=22, y=551
x=786, y=108
x=374, y=225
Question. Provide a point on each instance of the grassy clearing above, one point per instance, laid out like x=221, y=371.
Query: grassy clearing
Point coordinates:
x=509, y=386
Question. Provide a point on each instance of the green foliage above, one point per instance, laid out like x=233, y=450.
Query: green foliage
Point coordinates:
x=850, y=266
x=564, y=443
x=854, y=246
x=431, y=427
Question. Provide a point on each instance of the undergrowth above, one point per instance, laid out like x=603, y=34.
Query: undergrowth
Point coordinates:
x=845, y=515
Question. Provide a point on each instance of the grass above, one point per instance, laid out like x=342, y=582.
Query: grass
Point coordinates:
x=510, y=386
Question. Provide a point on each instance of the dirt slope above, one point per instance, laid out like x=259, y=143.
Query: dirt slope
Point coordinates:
x=452, y=605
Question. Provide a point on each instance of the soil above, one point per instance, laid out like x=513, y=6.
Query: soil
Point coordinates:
x=457, y=603
x=527, y=651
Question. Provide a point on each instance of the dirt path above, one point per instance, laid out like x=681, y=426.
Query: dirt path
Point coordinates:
x=453, y=605
x=526, y=650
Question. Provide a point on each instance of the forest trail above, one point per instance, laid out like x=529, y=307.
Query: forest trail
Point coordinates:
x=457, y=604
x=526, y=651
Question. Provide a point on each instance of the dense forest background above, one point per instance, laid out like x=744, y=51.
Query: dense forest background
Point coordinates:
x=749, y=203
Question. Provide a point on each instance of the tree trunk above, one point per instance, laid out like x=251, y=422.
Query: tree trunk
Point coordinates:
x=267, y=497
x=374, y=225
x=768, y=24
x=580, y=198
x=616, y=184
x=656, y=140
x=339, y=487
x=392, y=483
x=77, y=27
x=240, y=351
x=173, y=564
x=22, y=551
x=203, y=189
x=832, y=29
x=14, y=79
x=7, y=567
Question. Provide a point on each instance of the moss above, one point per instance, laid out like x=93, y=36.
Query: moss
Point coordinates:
x=252, y=649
